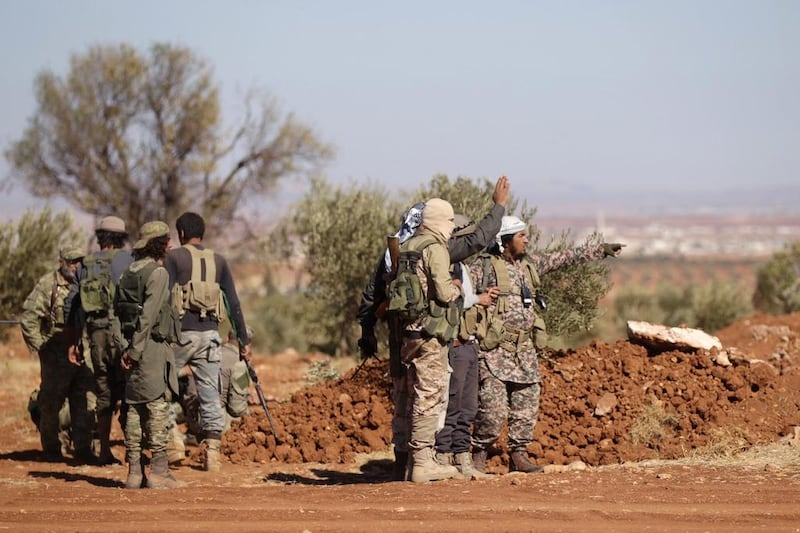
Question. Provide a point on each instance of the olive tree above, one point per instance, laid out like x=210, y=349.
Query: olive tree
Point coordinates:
x=339, y=233
x=142, y=134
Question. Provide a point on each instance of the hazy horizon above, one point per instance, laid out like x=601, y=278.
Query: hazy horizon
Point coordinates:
x=594, y=105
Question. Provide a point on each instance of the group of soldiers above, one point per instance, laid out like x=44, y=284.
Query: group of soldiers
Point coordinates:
x=148, y=316
x=464, y=341
x=463, y=359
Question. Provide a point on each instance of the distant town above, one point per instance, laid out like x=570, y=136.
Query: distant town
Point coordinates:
x=685, y=235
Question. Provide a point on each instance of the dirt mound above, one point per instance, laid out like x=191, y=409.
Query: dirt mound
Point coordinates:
x=602, y=404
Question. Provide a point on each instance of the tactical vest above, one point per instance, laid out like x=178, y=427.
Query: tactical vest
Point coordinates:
x=491, y=330
x=407, y=299
x=97, y=288
x=201, y=293
x=129, y=304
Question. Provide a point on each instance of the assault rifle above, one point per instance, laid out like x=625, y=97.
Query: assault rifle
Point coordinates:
x=261, y=398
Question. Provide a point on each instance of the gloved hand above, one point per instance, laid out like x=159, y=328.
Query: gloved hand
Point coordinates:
x=612, y=249
x=368, y=344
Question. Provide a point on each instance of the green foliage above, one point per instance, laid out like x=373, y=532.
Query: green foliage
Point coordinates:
x=281, y=321
x=778, y=282
x=573, y=291
x=143, y=133
x=716, y=305
x=709, y=307
x=321, y=371
x=341, y=233
x=29, y=248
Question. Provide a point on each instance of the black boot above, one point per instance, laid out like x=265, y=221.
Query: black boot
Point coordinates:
x=400, y=466
x=519, y=462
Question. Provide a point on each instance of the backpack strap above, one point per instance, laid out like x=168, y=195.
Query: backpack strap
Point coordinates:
x=204, y=268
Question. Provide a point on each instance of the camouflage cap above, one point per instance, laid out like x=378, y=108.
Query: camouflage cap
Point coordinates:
x=71, y=253
x=151, y=230
x=111, y=223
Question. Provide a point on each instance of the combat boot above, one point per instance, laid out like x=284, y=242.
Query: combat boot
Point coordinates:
x=176, y=448
x=160, y=477
x=425, y=468
x=135, y=474
x=519, y=462
x=479, y=460
x=463, y=461
x=447, y=459
x=211, y=463
x=400, y=466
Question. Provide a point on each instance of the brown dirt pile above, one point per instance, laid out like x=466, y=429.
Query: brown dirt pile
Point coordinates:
x=662, y=405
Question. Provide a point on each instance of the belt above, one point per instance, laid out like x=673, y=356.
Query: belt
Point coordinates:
x=459, y=342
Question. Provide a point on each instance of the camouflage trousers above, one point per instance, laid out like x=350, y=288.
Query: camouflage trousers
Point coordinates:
x=108, y=376
x=62, y=381
x=146, y=425
x=500, y=401
x=427, y=379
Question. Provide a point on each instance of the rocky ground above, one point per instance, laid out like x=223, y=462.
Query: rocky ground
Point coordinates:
x=631, y=441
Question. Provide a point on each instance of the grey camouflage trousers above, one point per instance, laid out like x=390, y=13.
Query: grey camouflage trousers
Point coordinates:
x=500, y=401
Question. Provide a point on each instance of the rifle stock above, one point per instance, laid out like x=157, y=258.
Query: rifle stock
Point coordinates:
x=393, y=245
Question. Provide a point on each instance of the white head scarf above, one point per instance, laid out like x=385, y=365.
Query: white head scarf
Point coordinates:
x=509, y=226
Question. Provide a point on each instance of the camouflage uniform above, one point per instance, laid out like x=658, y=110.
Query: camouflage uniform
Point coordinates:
x=149, y=383
x=509, y=379
x=105, y=340
x=47, y=326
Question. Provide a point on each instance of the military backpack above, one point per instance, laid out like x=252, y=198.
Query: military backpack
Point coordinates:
x=97, y=288
x=129, y=305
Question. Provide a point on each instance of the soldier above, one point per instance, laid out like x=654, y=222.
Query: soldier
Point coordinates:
x=149, y=325
x=202, y=288
x=374, y=301
x=508, y=360
x=98, y=280
x=424, y=260
x=49, y=329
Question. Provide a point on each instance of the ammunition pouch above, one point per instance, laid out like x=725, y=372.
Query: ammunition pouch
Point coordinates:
x=442, y=321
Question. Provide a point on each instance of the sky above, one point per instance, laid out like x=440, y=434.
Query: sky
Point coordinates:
x=582, y=104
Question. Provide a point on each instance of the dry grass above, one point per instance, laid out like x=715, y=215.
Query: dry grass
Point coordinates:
x=725, y=443
x=653, y=423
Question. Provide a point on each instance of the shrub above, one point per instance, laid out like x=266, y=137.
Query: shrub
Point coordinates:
x=778, y=282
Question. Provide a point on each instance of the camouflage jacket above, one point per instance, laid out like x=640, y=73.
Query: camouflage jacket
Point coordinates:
x=47, y=311
x=523, y=366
